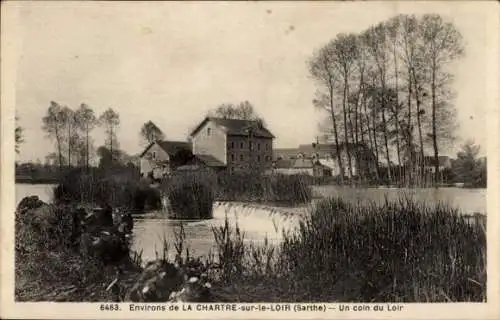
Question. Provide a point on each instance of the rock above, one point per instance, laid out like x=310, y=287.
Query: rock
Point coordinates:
x=156, y=283
x=194, y=290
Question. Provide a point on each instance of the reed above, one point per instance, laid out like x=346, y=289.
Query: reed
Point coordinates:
x=401, y=251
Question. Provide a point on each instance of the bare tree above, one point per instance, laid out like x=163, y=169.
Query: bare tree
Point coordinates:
x=70, y=132
x=322, y=69
x=413, y=63
x=86, y=122
x=345, y=54
x=110, y=120
x=378, y=47
x=53, y=125
x=393, y=32
x=442, y=44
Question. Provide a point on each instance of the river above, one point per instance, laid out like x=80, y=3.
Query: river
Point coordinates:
x=257, y=222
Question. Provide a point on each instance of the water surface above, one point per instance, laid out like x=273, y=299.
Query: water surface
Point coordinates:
x=259, y=223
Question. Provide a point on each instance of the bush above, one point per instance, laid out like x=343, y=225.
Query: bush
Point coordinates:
x=118, y=189
x=189, y=196
x=50, y=264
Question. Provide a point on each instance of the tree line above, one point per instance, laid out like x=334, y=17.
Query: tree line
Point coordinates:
x=71, y=130
x=389, y=88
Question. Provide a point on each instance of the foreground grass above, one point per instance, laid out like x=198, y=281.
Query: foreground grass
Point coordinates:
x=398, y=251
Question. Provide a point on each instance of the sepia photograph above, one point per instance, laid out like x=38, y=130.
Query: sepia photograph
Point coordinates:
x=221, y=153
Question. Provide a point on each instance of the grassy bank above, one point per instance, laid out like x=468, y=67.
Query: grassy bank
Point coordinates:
x=398, y=251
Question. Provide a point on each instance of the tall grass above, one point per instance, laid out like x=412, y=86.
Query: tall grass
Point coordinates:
x=246, y=186
x=122, y=188
x=398, y=251
x=189, y=197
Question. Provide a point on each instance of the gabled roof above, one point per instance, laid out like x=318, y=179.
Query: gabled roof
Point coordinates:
x=170, y=147
x=236, y=127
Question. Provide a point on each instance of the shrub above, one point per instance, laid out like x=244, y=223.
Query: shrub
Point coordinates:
x=189, y=196
x=118, y=189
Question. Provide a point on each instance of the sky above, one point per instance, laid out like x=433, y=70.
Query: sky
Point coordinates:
x=173, y=62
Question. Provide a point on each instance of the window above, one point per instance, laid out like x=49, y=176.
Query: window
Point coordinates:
x=258, y=146
x=153, y=155
x=242, y=145
x=250, y=145
x=241, y=157
x=208, y=131
x=267, y=146
x=232, y=144
x=232, y=157
x=258, y=158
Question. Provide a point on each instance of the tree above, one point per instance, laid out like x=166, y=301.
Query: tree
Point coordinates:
x=150, y=133
x=108, y=158
x=243, y=111
x=181, y=158
x=322, y=69
x=53, y=125
x=467, y=167
x=19, y=138
x=86, y=122
x=393, y=32
x=412, y=57
x=110, y=120
x=345, y=53
x=378, y=47
x=443, y=44
x=70, y=124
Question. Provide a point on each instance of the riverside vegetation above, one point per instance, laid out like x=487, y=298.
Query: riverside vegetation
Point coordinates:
x=400, y=251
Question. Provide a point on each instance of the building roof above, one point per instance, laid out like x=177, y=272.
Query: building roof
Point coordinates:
x=210, y=160
x=283, y=164
x=170, y=147
x=323, y=150
x=285, y=153
x=303, y=163
x=237, y=127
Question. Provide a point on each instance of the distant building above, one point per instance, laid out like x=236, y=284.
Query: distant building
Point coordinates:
x=429, y=163
x=302, y=166
x=235, y=144
x=155, y=160
x=362, y=158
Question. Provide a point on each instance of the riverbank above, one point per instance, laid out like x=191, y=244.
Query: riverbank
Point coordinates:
x=402, y=251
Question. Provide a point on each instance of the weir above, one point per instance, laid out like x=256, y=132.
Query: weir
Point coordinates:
x=256, y=221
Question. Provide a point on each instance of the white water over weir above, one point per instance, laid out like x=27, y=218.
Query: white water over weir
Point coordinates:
x=256, y=222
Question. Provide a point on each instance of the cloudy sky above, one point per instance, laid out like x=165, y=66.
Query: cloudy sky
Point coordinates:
x=172, y=62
